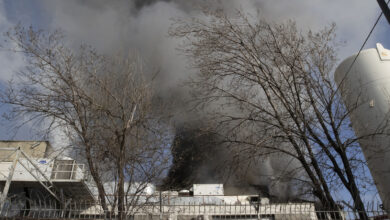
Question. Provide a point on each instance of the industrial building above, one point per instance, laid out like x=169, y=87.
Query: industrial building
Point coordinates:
x=30, y=177
x=37, y=185
x=29, y=172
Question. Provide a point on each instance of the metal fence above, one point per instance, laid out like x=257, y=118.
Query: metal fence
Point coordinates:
x=50, y=209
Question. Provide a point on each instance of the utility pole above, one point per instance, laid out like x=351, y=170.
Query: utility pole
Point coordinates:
x=385, y=9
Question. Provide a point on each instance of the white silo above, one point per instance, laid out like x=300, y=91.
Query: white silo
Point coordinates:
x=366, y=93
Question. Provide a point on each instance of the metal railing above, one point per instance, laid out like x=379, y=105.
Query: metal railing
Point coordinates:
x=68, y=170
x=20, y=207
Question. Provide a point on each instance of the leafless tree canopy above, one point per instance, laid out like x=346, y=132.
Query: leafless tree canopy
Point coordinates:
x=104, y=105
x=270, y=88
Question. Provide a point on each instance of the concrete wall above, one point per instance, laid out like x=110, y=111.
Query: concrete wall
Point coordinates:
x=35, y=149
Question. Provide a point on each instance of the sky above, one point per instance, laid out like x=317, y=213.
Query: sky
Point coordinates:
x=143, y=25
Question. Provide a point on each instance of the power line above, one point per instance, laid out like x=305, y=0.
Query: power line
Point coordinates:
x=365, y=41
x=361, y=48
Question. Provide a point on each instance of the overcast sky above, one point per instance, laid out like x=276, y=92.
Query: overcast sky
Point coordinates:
x=142, y=25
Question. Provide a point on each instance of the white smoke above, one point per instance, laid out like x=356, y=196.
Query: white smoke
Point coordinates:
x=121, y=25
x=143, y=25
x=9, y=62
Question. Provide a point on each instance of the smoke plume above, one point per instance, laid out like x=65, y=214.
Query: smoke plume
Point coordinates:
x=200, y=155
x=142, y=25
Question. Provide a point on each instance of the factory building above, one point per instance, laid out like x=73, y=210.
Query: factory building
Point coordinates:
x=209, y=202
x=30, y=175
x=30, y=172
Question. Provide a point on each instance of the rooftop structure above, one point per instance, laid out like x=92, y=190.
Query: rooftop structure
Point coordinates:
x=27, y=167
x=208, y=189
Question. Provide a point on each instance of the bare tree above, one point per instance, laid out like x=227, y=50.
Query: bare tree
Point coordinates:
x=271, y=89
x=105, y=105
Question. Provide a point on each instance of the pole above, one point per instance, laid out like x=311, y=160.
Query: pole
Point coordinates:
x=385, y=9
x=9, y=179
x=160, y=205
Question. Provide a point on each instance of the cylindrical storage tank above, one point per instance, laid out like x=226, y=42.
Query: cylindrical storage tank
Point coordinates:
x=365, y=89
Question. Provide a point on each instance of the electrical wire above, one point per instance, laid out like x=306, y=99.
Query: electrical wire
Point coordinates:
x=365, y=41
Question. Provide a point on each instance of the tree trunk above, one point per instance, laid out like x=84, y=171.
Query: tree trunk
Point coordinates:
x=353, y=189
x=96, y=178
x=121, y=180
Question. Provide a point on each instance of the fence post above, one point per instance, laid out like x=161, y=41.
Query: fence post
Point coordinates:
x=160, y=206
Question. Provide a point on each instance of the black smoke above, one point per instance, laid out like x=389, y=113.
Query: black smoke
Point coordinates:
x=194, y=153
x=200, y=156
x=139, y=4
